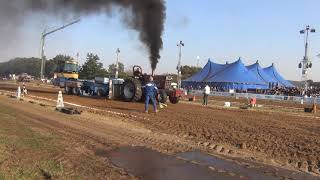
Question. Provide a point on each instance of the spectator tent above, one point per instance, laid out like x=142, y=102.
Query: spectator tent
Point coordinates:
x=272, y=71
x=208, y=70
x=237, y=76
x=262, y=75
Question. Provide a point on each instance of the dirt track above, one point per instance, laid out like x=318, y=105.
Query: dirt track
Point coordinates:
x=79, y=141
x=288, y=139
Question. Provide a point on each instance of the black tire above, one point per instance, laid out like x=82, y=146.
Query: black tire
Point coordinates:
x=67, y=90
x=131, y=90
x=75, y=91
x=174, y=100
x=85, y=88
x=88, y=91
x=162, y=96
x=100, y=93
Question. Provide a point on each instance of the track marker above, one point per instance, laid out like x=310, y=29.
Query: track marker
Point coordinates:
x=19, y=92
x=60, y=101
x=86, y=107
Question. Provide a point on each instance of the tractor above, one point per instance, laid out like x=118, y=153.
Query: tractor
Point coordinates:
x=132, y=88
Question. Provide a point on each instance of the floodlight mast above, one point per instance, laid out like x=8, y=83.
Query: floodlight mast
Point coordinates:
x=198, y=61
x=180, y=45
x=43, y=38
x=117, y=63
x=306, y=63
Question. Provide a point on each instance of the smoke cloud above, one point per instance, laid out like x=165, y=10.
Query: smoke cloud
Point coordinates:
x=145, y=16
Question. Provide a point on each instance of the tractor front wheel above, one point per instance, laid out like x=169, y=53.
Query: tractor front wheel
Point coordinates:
x=174, y=100
x=162, y=96
x=100, y=93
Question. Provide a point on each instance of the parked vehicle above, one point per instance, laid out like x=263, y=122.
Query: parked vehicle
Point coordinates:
x=98, y=87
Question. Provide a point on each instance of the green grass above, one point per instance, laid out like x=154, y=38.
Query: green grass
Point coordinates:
x=2, y=176
x=38, y=171
x=55, y=169
x=3, y=139
x=25, y=153
x=34, y=140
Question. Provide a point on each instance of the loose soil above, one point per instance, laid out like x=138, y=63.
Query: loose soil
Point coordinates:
x=288, y=139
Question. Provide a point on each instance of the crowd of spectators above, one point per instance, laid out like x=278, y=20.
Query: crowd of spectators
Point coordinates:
x=202, y=86
x=281, y=91
x=295, y=91
x=284, y=91
x=314, y=92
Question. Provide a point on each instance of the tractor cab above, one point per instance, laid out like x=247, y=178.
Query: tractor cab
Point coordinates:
x=67, y=69
x=137, y=72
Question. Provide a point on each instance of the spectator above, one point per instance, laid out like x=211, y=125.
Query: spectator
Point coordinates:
x=24, y=90
x=206, y=93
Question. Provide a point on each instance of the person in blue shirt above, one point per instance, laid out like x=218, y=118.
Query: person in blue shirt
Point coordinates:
x=150, y=90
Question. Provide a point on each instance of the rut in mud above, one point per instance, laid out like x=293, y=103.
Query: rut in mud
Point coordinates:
x=288, y=138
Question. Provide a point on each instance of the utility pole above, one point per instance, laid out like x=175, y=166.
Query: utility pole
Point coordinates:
x=180, y=45
x=43, y=39
x=42, y=54
x=117, y=63
x=198, y=61
x=77, y=56
x=305, y=64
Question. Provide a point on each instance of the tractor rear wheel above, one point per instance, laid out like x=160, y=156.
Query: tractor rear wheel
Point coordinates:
x=131, y=91
x=75, y=91
x=174, y=100
x=67, y=90
x=162, y=96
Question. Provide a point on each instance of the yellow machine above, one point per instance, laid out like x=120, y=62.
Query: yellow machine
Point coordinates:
x=66, y=76
x=68, y=70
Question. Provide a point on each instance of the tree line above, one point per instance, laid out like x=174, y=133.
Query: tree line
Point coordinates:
x=90, y=69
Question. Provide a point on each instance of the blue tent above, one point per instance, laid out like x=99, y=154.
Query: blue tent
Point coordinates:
x=237, y=76
x=216, y=69
x=272, y=71
x=208, y=70
x=261, y=74
x=202, y=74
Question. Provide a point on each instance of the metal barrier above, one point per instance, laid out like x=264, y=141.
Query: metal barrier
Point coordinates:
x=306, y=100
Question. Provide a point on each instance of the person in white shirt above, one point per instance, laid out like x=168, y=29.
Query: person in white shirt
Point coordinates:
x=206, y=93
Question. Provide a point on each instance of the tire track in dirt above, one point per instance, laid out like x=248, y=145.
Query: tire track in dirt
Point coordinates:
x=88, y=126
x=288, y=139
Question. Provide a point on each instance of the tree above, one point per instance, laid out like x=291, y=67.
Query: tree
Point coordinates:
x=188, y=71
x=92, y=67
x=128, y=71
x=112, y=68
x=20, y=65
x=32, y=65
x=121, y=71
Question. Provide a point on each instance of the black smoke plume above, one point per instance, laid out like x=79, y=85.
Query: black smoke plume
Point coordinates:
x=145, y=16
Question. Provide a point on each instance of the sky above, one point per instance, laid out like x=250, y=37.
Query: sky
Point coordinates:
x=267, y=31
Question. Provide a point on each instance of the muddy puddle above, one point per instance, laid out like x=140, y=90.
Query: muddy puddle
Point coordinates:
x=243, y=168
x=152, y=165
